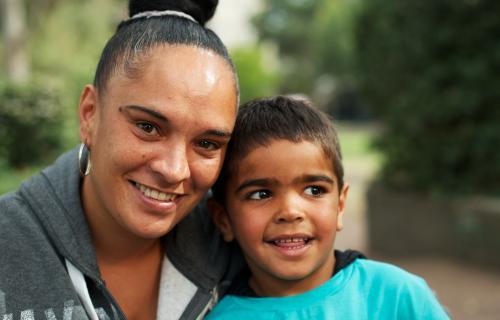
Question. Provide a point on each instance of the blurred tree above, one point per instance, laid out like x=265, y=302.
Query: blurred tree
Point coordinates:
x=289, y=24
x=333, y=40
x=66, y=48
x=255, y=78
x=14, y=34
x=63, y=40
x=315, y=45
x=430, y=70
x=19, y=18
x=30, y=123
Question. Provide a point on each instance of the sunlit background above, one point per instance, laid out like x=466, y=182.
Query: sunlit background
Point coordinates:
x=413, y=88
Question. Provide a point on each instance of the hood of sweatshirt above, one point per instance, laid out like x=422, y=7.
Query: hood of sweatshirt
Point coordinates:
x=54, y=196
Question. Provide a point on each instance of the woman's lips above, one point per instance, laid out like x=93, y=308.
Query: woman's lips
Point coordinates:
x=155, y=200
x=154, y=194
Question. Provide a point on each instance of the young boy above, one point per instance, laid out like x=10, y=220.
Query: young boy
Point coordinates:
x=281, y=195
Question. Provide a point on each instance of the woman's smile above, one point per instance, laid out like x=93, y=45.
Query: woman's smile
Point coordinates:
x=155, y=194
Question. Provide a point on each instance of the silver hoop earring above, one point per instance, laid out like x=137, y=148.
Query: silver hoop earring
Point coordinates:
x=84, y=164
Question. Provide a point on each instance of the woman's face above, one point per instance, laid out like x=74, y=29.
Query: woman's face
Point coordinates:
x=157, y=139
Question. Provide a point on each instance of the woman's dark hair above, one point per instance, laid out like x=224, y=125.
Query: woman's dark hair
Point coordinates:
x=135, y=37
x=262, y=121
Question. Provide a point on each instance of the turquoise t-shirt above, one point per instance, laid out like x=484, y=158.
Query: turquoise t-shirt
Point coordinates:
x=365, y=289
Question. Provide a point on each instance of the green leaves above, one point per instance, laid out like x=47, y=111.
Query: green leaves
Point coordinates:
x=429, y=70
x=31, y=124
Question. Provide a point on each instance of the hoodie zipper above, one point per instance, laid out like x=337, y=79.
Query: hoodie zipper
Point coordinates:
x=102, y=287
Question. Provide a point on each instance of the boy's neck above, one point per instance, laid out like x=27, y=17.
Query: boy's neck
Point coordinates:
x=265, y=285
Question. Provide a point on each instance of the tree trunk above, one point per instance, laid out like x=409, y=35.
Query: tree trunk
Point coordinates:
x=15, y=34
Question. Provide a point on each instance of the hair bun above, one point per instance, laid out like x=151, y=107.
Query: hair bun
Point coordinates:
x=200, y=10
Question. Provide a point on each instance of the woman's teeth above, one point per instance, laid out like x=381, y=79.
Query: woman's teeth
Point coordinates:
x=155, y=194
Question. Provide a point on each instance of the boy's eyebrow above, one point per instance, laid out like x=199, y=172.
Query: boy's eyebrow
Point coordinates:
x=255, y=183
x=162, y=118
x=307, y=178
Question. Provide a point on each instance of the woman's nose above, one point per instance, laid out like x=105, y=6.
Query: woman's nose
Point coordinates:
x=172, y=164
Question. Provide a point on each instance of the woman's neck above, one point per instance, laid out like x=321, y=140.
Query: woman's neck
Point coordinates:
x=133, y=278
x=111, y=241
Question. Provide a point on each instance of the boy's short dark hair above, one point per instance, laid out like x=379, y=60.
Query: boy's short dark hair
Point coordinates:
x=263, y=120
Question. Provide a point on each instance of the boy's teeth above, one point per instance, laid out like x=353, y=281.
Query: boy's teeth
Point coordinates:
x=155, y=194
x=290, y=240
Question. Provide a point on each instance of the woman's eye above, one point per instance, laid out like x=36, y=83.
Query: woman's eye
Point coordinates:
x=259, y=195
x=314, y=191
x=146, y=127
x=208, y=145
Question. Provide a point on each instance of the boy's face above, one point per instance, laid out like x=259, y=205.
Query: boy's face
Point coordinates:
x=283, y=207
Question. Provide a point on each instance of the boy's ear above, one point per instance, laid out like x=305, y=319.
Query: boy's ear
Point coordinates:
x=221, y=219
x=88, y=114
x=341, y=206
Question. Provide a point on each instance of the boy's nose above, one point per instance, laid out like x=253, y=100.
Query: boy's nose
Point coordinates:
x=290, y=210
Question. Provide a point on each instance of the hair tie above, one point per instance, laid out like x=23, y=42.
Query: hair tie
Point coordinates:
x=149, y=14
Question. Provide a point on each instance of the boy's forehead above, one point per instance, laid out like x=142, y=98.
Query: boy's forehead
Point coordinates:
x=282, y=157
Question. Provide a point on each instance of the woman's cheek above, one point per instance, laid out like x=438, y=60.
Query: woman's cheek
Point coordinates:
x=207, y=172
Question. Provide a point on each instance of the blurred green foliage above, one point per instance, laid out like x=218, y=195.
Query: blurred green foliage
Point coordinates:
x=315, y=42
x=288, y=24
x=429, y=70
x=64, y=42
x=65, y=49
x=30, y=124
x=38, y=119
x=255, y=77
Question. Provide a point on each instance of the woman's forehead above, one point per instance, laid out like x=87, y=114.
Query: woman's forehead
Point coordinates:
x=174, y=67
x=180, y=79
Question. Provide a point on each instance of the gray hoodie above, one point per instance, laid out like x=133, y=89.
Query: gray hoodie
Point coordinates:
x=48, y=268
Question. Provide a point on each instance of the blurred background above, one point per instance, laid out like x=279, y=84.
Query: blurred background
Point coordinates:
x=413, y=87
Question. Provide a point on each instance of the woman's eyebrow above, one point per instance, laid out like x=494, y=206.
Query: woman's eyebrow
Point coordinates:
x=149, y=111
x=219, y=133
x=161, y=117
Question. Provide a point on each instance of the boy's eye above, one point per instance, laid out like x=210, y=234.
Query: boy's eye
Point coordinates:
x=259, y=195
x=146, y=127
x=208, y=145
x=314, y=191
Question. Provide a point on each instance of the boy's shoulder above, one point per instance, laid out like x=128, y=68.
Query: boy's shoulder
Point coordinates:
x=385, y=275
x=387, y=288
x=380, y=268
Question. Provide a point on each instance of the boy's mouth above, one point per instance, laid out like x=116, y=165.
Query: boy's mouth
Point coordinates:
x=291, y=242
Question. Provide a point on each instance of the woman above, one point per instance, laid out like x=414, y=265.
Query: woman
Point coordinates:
x=94, y=237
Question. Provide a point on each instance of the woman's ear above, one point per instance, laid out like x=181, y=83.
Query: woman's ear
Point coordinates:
x=221, y=219
x=88, y=114
x=341, y=206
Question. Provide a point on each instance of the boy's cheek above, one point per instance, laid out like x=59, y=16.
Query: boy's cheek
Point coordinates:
x=341, y=206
